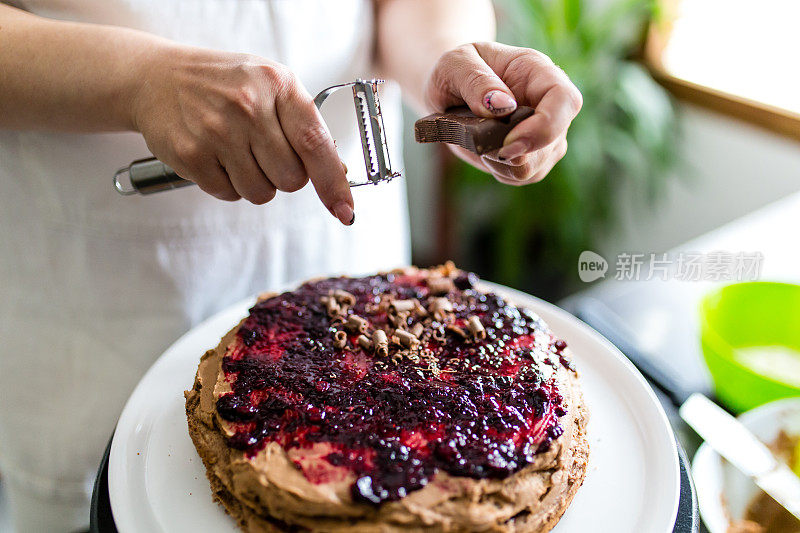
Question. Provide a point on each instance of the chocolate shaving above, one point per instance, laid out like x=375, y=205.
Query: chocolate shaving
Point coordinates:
x=457, y=330
x=397, y=320
x=440, y=307
x=417, y=329
x=381, y=342
x=438, y=286
x=331, y=306
x=433, y=367
x=449, y=268
x=365, y=343
x=356, y=324
x=476, y=327
x=340, y=339
x=344, y=296
x=403, y=306
x=385, y=303
x=406, y=339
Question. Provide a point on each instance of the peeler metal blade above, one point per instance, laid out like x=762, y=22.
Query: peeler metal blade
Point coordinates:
x=377, y=161
x=147, y=176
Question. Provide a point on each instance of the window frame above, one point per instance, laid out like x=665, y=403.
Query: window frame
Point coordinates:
x=772, y=118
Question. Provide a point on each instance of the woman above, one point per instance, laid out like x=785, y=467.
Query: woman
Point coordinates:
x=95, y=286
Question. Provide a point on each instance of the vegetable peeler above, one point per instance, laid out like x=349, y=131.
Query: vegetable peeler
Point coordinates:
x=147, y=176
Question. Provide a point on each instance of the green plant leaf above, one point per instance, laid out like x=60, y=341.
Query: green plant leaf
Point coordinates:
x=625, y=136
x=572, y=14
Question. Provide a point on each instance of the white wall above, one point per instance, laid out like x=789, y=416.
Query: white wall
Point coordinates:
x=733, y=169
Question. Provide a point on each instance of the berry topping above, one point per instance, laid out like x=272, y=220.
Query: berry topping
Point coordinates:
x=400, y=378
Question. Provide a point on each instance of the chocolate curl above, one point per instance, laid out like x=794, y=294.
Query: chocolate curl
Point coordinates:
x=397, y=320
x=440, y=285
x=356, y=324
x=417, y=329
x=406, y=339
x=381, y=342
x=344, y=296
x=384, y=304
x=332, y=306
x=441, y=304
x=449, y=268
x=365, y=343
x=476, y=327
x=340, y=339
x=457, y=330
x=438, y=334
x=440, y=307
x=403, y=306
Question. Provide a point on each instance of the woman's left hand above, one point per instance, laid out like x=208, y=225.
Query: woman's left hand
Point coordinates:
x=492, y=79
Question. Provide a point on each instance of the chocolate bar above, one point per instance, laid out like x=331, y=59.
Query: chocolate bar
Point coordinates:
x=459, y=126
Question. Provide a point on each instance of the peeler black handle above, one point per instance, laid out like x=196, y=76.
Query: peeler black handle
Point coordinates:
x=148, y=176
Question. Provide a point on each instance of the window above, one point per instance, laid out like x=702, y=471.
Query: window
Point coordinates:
x=740, y=57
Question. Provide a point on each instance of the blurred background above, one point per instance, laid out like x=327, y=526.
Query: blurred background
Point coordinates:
x=690, y=120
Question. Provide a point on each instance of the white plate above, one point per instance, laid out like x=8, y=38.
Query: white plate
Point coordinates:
x=723, y=491
x=157, y=481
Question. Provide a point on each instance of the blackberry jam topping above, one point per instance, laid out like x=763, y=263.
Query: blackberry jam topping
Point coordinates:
x=477, y=405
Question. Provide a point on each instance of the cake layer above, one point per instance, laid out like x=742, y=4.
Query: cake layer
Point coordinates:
x=398, y=399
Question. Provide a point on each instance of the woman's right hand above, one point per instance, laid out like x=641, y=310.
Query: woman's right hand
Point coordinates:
x=239, y=126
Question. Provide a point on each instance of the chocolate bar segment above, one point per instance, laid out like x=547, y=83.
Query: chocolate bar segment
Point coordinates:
x=460, y=126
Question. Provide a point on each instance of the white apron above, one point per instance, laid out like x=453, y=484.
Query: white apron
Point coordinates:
x=94, y=286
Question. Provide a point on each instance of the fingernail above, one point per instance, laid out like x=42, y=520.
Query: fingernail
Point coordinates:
x=499, y=102
x=345, y=214
x=515, y=149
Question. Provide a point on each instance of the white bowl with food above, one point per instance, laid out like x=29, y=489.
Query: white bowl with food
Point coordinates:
x=729, y=501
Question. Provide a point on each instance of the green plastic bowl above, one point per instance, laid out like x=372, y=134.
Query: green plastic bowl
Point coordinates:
x=745, y=315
